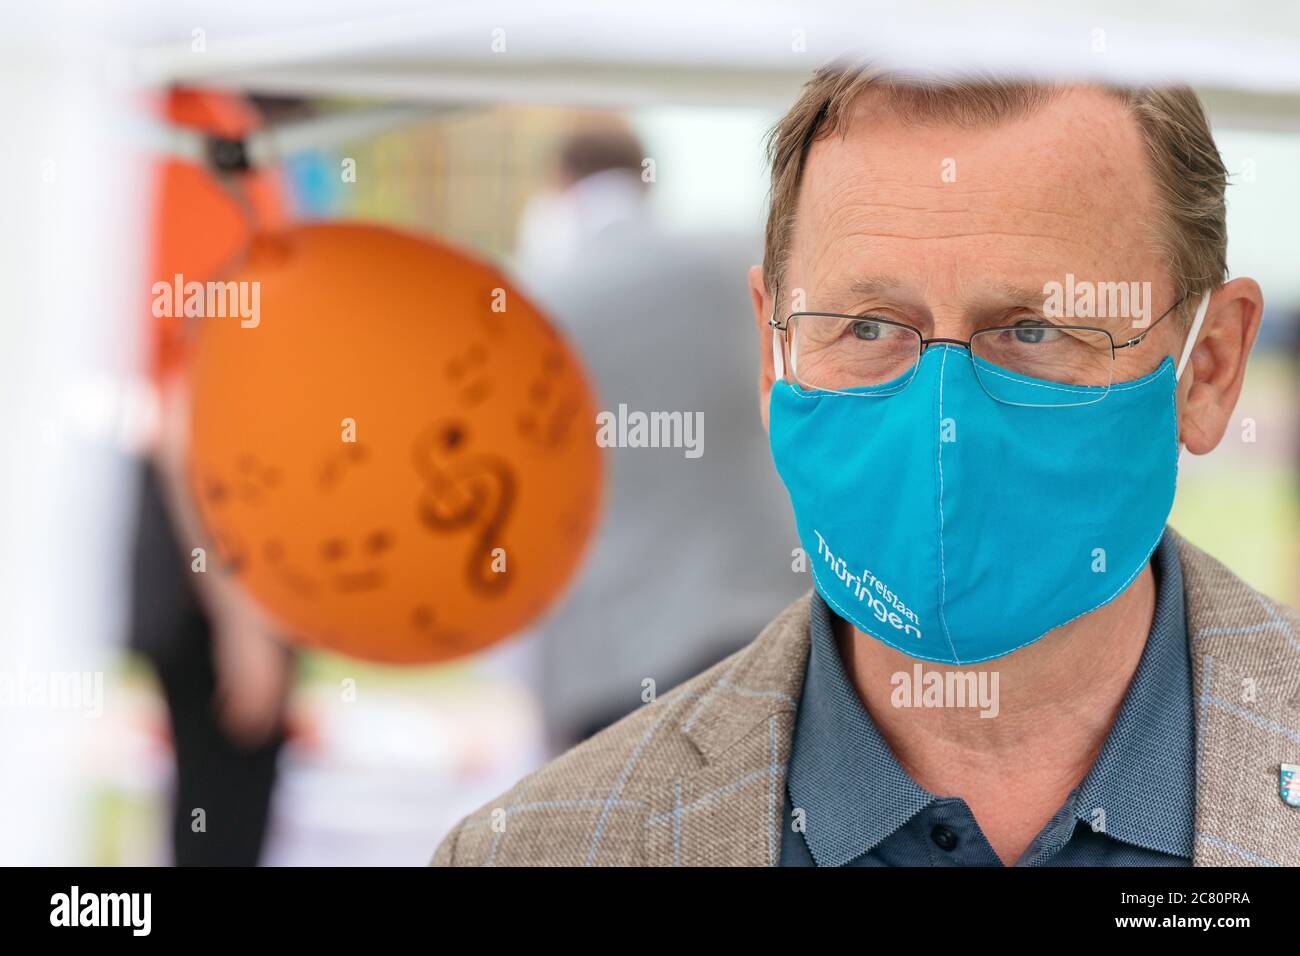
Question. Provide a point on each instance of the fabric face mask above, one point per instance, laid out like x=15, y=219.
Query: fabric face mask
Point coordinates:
x=958, y=528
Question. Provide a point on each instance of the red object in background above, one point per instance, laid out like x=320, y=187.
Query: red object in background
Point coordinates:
x=200, y=229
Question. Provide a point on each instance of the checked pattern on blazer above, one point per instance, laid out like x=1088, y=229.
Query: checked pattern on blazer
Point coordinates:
x=697, y=778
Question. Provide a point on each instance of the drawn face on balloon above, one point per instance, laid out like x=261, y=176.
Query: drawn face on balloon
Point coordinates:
x=408, y=494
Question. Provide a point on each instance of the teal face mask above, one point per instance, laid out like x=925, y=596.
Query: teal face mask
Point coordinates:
x=958, y=528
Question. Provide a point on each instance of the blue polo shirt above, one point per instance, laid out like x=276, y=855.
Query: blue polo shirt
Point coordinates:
x=861, y=808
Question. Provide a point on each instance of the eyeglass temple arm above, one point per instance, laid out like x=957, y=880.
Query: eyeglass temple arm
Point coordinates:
x=1137, y=339
x=1192, y=333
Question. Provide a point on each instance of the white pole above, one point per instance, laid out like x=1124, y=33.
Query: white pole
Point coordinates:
x=70, y=268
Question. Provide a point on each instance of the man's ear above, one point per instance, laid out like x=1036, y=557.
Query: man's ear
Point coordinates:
x=1212, y=380
x=762, y=301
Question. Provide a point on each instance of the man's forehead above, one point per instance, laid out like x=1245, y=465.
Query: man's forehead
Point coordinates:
x=1072, y=169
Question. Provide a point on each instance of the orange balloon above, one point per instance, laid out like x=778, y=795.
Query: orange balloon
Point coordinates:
x=398, y=459
x=200, y=228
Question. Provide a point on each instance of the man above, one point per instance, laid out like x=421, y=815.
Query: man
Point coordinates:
x=980, y=436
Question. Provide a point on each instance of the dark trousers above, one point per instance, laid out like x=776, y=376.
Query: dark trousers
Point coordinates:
x=229, y=783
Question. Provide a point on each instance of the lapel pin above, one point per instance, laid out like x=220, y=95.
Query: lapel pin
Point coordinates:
x=1289, y=784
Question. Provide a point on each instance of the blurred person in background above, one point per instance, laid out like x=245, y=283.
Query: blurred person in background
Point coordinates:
x=224, y=675
x=224, y=678
x=693, y=554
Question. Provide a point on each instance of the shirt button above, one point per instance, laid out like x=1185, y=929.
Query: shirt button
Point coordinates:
x=944, y=838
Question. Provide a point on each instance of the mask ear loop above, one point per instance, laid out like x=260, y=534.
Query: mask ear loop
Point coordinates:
x=778, y=359
x=1191, y=336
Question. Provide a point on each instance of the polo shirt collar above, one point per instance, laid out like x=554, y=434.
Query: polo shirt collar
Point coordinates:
x=842, y=772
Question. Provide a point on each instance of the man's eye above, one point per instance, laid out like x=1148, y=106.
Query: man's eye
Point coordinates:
x=1031, y=331
x=866, y=330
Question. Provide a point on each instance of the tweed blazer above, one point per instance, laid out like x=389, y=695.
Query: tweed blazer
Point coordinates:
x=697, y=778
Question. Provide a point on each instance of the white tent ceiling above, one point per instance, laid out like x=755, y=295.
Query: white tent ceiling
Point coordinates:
x=1243, y=56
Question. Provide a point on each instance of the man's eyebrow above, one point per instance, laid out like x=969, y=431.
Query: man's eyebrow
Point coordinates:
x=838, y=296
x=873, y=285
x=1012, y=294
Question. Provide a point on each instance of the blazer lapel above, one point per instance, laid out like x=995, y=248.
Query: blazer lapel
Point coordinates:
x=1245, y=654
x=727, y=810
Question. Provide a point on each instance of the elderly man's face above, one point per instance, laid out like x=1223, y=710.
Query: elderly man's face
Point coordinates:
x=951, y=230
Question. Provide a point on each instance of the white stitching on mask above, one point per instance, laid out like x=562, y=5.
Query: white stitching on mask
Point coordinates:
x=943, y=573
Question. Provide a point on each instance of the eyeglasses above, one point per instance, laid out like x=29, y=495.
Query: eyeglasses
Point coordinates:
x=875, y=357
